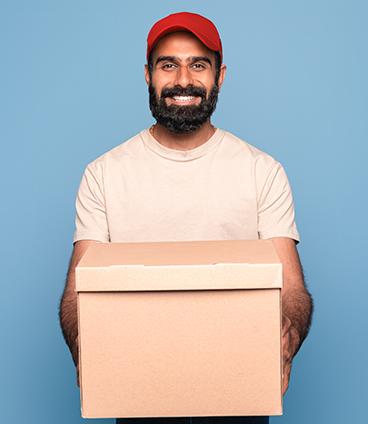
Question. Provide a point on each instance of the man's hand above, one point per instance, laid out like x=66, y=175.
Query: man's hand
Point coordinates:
x=75, y=355
x=289, y=346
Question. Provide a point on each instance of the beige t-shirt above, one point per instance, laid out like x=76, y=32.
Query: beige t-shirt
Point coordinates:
x=225, y=189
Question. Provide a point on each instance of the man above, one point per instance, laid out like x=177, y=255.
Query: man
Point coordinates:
x=185, y=180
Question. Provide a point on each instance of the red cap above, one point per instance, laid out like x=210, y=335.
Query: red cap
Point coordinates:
x=200, y=26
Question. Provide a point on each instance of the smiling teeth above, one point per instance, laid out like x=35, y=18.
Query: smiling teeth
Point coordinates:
x=183, y=98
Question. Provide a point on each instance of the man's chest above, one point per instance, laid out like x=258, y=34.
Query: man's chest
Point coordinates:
x=181, y=202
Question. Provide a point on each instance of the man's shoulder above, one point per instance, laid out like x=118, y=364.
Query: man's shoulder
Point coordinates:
x=127, y=148
x=246, y=149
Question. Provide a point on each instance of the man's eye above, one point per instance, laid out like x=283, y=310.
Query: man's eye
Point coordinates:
x=168, y=66
x=198, y=66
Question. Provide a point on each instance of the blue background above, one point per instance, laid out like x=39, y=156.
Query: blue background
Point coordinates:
x=72, y=87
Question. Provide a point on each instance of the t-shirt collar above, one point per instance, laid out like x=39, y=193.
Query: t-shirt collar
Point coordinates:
x=179, y=155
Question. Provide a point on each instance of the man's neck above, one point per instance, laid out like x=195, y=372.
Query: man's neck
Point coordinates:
x=186, y=141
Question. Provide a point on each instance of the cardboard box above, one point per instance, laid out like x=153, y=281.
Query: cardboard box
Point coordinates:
x=180, y=329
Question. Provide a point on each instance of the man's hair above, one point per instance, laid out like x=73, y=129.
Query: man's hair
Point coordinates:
x=217, y=65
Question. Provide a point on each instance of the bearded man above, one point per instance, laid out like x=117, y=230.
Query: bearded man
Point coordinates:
x=184, y=179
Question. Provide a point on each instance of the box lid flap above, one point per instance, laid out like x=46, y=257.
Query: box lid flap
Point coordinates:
x=192, y=265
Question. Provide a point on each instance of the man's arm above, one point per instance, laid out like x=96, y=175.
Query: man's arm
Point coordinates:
x=297, y=304
x=68, y=304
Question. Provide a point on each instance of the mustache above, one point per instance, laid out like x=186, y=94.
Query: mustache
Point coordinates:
x=187, y=91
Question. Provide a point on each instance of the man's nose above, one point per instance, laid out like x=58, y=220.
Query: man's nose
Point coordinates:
x=183, y=77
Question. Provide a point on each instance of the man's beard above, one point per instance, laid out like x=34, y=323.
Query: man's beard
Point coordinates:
x=182, y=119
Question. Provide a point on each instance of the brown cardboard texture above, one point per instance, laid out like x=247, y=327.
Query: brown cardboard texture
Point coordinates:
x=178, y=329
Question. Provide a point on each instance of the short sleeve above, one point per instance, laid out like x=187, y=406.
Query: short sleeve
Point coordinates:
x=91, y=219
x=276, y=217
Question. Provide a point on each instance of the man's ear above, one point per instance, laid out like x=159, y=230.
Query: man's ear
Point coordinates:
x=146, y=74
x=221, y=76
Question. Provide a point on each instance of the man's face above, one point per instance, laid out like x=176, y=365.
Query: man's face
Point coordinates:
x=183, y=87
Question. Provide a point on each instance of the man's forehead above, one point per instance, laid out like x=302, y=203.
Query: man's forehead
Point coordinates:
x=180, y=44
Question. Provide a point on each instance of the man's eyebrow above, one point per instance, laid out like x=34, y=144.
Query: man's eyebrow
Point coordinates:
x=199, y=59
x=190, y=59
x=163, y=58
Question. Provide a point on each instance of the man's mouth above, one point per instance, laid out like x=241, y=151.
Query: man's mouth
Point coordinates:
x=183, y=98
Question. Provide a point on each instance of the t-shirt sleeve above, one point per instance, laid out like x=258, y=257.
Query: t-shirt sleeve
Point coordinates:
x=276, y=217
x=91, y=219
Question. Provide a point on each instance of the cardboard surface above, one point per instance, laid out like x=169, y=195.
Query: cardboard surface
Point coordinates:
x=180, y=329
